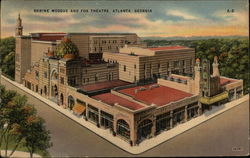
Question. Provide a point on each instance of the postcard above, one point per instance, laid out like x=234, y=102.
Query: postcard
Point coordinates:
x=124, y=78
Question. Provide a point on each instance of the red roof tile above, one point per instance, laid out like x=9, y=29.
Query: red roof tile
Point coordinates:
x=166, y=48
x=225, y=81
x=104, y=85
x=161, y=95
x=111, y=99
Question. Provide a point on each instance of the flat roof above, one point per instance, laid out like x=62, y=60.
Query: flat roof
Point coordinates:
x=111, y=99
x=160, y=95
x=167, y=48
x=224, y=81
x=103, y=85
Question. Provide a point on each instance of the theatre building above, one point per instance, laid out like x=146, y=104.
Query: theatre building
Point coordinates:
x=118, y=84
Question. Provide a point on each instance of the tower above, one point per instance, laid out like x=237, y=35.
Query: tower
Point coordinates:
x=216, y=67
x=197, y=76
x=23, y=52
x=19, y=27
x=205, y=78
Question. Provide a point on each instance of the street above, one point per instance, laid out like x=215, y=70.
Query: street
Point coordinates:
x=226, y=134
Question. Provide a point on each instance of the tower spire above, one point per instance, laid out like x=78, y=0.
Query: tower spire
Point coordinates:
x=216, y=71
x=19, y=27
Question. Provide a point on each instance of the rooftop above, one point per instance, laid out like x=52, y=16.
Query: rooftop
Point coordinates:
x=111, y=99
x=48, y=36
x=224, y=81
x=167, y=48
x=155, y=94
x=104, y=85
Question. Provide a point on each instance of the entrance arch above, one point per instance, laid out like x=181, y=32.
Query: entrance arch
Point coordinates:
x=123, y=129
x=144, y=130
x=71, y=102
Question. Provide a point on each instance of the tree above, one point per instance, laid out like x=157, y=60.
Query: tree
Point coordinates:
x=20, y=125
x=7, y=56
x=8, y=66
x=13, y=118
x=36, y=136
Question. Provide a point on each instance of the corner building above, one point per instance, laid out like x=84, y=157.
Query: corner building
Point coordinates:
x=115, y=82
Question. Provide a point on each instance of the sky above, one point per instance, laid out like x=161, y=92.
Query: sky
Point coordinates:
x=167, y=18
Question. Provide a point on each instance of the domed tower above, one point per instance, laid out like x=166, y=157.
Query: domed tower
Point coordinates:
x=19, y=27
x=67, y=49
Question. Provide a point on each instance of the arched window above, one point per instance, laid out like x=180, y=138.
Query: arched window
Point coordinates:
x=123, y=128
x=71, y=102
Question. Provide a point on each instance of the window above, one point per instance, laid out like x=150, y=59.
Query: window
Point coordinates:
x=62, y=70
x=124, y=68
x=101, y=48
x=176, y=63
x=96, y=77
x=135, y=66
x=62, y=80
x=45, y=74
x=159, y=65
x=37, y=74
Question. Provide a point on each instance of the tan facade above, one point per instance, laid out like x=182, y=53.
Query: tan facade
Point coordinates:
x=39, y=48
x=98, y=42
x=137, y=64
x=22, y=57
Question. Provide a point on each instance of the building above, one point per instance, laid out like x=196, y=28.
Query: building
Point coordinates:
x=139, y=64
x=135, y=92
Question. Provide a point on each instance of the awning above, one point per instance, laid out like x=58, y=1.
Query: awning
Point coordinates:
x=211, y=100
x=79, y=109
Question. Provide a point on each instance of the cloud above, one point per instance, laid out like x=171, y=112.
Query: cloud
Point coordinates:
x=182, y=14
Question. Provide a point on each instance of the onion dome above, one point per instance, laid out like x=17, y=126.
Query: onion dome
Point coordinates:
x=67, y=49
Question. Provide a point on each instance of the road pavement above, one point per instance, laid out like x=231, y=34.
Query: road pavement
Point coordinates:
x=226, y=134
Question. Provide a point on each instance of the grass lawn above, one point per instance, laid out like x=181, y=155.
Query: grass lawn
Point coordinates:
x=22, y=148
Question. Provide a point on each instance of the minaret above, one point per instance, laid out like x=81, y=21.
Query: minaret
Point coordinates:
x=197, y=77
x=19, y=27
x=216, y=67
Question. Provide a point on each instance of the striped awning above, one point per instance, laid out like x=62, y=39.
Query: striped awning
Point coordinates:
x=79, y=109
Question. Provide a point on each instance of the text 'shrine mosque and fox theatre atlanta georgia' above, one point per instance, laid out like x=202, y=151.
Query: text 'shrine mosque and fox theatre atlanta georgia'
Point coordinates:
x=115, y=81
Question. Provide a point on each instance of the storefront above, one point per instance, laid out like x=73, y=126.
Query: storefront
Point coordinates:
x=123, y=129
x=178, y=116
x=107, y=120
x=144, y=130
x=192, y=110
x=162, y=122
x=93, y=114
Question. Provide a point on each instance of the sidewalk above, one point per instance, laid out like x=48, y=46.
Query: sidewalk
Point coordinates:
x=19, y=154
x=146, y=144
